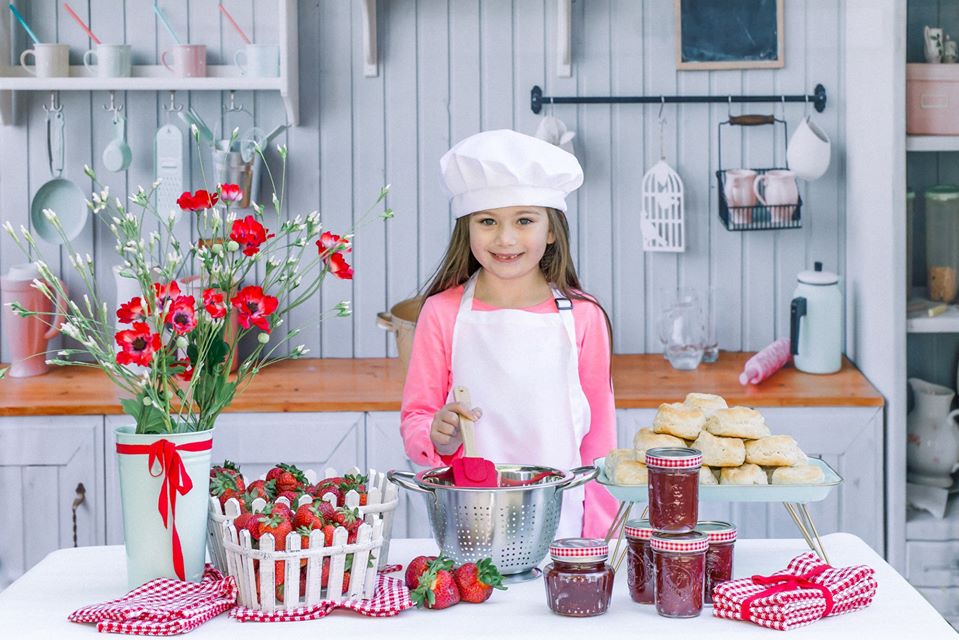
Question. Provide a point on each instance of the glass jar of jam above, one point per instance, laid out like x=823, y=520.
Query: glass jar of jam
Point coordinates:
x=680, y=560
x=673, y=488
x=579, y=583
x=719, y=556
x=640, y=572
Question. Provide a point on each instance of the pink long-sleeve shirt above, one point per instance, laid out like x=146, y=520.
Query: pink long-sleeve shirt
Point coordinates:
x=429, y=380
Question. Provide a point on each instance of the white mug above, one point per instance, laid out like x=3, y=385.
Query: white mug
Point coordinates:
x=258, y=60
x=188, y=60
x=49, y=60
x=779, y=192
x=112, y=60
x=808, y=150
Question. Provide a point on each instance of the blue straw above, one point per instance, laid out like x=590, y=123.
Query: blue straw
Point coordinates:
x=23, y=23
x=156, y=10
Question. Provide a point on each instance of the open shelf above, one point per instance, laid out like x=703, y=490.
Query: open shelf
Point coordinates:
x=947, y=322
x=932, y=143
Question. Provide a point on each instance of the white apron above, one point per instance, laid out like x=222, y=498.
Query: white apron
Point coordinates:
x=522, y=370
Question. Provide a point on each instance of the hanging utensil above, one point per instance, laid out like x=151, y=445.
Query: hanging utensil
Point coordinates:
x=117, y=155
x=471, y=471
x=662, y=222
x=170, y=166
x=58, y=194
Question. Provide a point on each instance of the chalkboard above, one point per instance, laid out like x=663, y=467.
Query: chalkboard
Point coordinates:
x=731, y=34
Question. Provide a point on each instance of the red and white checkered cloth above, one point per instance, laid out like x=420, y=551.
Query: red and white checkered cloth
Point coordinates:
x=163, y=607
x=390, y=598
x=805, y=591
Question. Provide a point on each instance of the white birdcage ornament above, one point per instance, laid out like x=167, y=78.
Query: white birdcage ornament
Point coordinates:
x=662, y=216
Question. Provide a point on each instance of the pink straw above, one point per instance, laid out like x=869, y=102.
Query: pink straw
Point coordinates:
x=235, y=25
x=80, y=22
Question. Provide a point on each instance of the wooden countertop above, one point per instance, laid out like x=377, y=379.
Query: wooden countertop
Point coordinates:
x=376, y=384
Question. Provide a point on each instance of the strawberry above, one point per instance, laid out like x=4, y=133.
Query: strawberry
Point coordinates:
x=415, y=569
x=325, y=510
x=324, y=489
x=308, y=516
x=225, y=486
x=241, y=521
x=262, y=489
x=227, y=467
x=349, y=519
x=287, y=476
x=437, y=588
x=476, y=581
x=283, y=508
x=355, y=482
x=328, y=531
x=289, y=495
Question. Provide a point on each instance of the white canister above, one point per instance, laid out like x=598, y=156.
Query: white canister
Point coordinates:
x=816, y=322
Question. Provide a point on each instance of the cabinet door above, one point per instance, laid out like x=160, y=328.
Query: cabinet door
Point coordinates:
x=384, y=450
x=257, y=441
x=42, y=461
x=849, y=439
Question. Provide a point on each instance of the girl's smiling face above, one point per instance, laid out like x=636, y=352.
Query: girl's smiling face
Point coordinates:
x=510, y=241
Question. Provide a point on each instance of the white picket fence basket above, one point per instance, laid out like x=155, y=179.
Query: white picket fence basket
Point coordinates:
x=382, y=497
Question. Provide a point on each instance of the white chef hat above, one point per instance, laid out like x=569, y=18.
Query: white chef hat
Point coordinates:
x=504, y=168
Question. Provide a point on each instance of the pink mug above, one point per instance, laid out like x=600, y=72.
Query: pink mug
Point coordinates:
x=739, y=193
x=188, y=60
x=27, y=338
x=778, y=191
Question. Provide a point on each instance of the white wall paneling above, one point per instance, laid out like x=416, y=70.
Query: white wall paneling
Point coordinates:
x=447, y=69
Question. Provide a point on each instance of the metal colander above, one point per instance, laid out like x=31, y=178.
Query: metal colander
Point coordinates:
x=513, y=525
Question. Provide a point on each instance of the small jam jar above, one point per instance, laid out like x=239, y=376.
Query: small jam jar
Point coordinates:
x=640, y=572
x=680, y=560
x=579, y=583
x=719, y=556
x=673, y=488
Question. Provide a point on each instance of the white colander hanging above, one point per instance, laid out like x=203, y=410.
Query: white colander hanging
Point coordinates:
x=662, y=216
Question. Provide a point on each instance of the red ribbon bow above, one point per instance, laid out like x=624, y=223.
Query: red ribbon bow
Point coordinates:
x=175, y=480
x=786, y=582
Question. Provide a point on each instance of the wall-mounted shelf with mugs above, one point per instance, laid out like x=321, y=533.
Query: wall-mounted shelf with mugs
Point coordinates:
x=259, y=67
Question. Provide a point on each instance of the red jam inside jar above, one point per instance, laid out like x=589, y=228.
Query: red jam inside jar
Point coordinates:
x=640, y=571
x=680, y=561
x=719, y=556
x=579, y=582
x=673, y=488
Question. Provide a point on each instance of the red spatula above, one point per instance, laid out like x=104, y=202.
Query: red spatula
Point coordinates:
x=471, y=471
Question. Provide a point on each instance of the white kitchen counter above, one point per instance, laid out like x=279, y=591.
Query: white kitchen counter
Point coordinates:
x=37, y=605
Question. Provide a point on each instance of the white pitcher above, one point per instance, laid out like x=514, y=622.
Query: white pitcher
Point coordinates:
x=932, y=436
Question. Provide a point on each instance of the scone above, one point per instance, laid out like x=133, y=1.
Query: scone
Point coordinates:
x=649, y=439
x=630, y=472
x=720, y=452
x=678, y=420
x=746, y=474
x=775, y=451
x=707, y=402
x=615, y=457
x=737, y=422
x=706, y=476
x=802, y=474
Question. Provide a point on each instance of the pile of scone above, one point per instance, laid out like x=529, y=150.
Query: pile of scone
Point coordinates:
x=736, y=444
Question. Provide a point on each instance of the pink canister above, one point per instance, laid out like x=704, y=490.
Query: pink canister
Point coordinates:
x=932, y=99
x=26, y=337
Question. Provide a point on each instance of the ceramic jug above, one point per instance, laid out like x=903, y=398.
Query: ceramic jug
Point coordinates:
x=816, y=322
x=932, y=436
x=932, y=44
x=27, y=338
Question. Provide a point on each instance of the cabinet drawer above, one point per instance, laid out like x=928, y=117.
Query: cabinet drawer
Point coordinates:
x=933, y=564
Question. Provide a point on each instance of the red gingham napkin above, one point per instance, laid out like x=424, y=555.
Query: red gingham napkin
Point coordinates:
x=390, y=598
x=163, y=607
x=849, y=589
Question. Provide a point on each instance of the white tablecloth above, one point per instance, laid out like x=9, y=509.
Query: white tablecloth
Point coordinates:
x=36, y=605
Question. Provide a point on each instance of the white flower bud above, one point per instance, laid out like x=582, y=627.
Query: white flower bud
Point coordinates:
x=182, y=342
x=232, y=245
x=263, y=338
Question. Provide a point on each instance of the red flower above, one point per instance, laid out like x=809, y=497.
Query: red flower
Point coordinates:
x=213, y=302
x=187, y=373
x=137, y=345
x=253, y=307
x=331, y=248
x=133, y=311
x=182, y=315
x=197, y=201
x=249, y=234
x=231, y=192
x=170, y=291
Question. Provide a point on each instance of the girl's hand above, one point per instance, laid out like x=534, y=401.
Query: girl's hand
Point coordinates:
x=445, y=428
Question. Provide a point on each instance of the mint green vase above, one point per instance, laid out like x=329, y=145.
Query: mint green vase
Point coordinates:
x=150, y=543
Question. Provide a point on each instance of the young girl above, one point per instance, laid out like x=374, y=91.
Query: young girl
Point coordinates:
x=505, y=317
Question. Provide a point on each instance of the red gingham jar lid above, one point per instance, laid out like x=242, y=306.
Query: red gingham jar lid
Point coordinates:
x=692, y=542
x=674, y=458
x=579, y=550
x=717, y=531
x=639, y=529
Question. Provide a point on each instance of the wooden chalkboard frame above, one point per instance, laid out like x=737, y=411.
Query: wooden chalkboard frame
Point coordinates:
x=693, y=65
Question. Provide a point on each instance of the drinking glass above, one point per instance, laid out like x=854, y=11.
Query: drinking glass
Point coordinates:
x=681, y=330
x=710, y=341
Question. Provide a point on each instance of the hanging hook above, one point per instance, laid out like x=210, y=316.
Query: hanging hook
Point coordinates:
x=54, y=103
x=233, y=106
x=113, y=107
x=729, y=108
x=172, y=106
x=662, y=104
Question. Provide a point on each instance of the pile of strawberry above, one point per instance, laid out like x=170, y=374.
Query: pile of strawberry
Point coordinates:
x=279, y=519
x=434, y=583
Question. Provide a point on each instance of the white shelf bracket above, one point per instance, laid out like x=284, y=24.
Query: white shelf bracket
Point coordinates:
x=564, y=19
x=370, y=66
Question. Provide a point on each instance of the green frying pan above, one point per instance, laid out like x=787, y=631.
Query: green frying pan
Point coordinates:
x=57, y=194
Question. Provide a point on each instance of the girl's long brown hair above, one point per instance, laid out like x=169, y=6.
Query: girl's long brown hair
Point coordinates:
x=459, y=264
